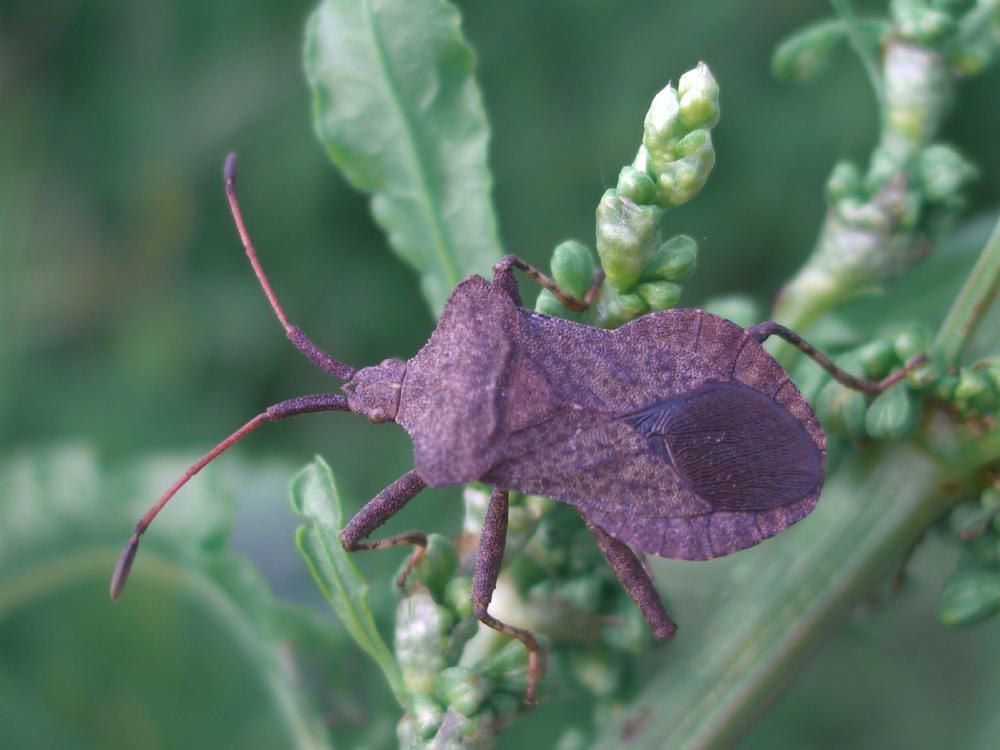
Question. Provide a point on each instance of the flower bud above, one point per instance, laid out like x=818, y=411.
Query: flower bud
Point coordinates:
x=458, y=596
x=892, y=415
x=547, y=304
x=427, y=715
x=877, y=358
x=944, y=389
x=509, y=660
x=844, y=181
x=627, y=239
x=923, y=376
x=675, y=260
x=659, y=295
x=864, y=215
x=972, y=386
x=699, y=98
x=662, y=126
x=636, y=185
x=943, y=172
x=842, y=410
x=633, y=305
x=970, y=595
x=462, y=689
x=421, y=640
x=573, y=267
x=679, y=179
x=920, y=23
x=912, y=341
x=438, y=564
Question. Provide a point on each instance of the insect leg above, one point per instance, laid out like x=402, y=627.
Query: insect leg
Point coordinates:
x=282, y=410
x=484, y=580
x=302, y=342
x=635, y=578
x=874, y=387
x=380, y=509
x=503, y=276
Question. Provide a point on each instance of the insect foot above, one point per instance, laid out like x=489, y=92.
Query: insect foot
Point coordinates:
x=675, y=435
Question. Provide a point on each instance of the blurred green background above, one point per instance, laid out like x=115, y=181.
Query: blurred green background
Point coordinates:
x=132, y=326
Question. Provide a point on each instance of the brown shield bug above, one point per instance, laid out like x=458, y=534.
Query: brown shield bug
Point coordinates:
x=676, y=435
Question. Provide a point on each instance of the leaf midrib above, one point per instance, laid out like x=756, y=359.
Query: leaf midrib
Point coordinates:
x=442, y=249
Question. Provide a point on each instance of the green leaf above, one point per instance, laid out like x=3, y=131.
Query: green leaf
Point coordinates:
x=192, y=656
x=397, y=107
x=804, y=54
x=314, y=495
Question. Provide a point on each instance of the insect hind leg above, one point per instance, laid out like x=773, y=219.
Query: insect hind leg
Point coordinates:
x=489, y=556
x=635, y=577
x=762, y=331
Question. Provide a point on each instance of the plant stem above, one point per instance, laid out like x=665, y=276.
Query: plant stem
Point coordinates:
x=971, y=304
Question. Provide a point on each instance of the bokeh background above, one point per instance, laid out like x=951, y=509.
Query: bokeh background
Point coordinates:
x=133, y=336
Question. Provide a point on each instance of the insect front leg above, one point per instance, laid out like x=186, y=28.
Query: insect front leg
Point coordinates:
x=484, y=581
x=503, y=276
x=636, y=579
x=380, y=509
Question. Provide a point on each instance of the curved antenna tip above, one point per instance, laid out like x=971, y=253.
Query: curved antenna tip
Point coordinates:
x=229, y=169
x=123, y=567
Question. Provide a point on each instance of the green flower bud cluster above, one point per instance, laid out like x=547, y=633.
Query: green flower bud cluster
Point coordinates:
x=972, y=592
x=676, y=151
x=466, y=680
x=881, y=220
x=877, y=224
x=972, y=390
x=893, y=414
x=450, y=701
x=962, y=32
x=642, y=270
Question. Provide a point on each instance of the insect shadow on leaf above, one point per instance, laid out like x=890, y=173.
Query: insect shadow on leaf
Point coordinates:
x=676, y=435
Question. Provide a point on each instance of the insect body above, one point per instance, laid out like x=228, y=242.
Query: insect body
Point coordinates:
x=676, y=434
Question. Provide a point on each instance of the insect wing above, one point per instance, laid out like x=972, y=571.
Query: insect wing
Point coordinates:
x=733, y=446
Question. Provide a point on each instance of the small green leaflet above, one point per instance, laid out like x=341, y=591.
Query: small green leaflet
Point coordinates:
x=314, y=495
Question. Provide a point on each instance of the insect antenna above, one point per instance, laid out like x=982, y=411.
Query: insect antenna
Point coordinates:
x=282, y=410
x=302, y=342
